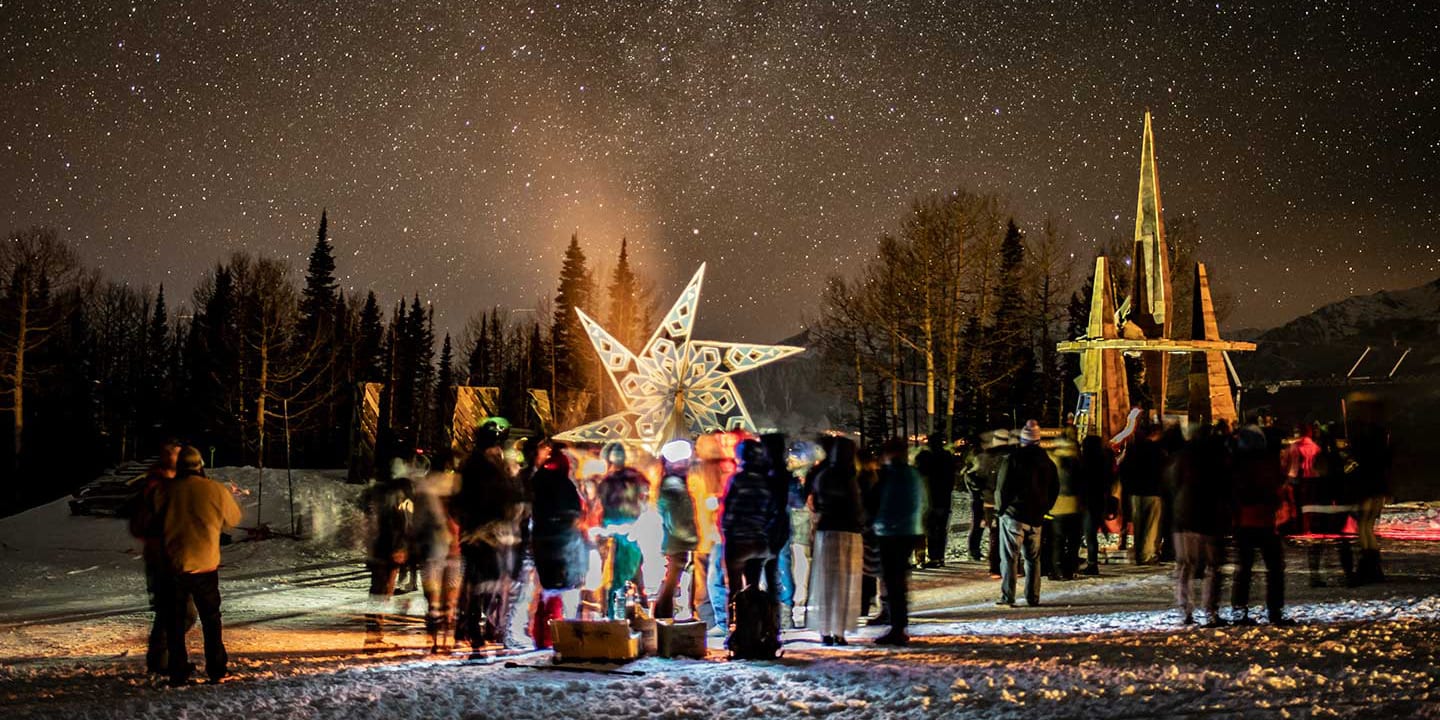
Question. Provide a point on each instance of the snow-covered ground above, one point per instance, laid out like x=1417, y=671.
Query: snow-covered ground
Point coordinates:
x=73, y=622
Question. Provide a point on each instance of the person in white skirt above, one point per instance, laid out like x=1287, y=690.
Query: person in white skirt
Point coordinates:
x=836, y=563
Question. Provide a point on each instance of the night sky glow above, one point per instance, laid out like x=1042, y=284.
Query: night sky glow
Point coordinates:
x=457, y=145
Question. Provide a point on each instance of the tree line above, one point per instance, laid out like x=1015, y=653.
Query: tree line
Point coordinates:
x=262, y=366
x=950, y=325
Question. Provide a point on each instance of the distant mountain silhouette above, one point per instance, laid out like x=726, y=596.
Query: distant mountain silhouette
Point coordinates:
x=1331, y=343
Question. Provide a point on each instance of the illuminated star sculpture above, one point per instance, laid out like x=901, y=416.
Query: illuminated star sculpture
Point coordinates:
x=675, y=387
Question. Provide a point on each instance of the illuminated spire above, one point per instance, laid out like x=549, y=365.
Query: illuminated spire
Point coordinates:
x=1151, y=297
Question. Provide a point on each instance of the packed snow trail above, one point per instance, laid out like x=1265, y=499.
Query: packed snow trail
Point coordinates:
x=72, y=645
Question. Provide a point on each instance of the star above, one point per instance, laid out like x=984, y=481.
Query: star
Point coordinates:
x=675, y=386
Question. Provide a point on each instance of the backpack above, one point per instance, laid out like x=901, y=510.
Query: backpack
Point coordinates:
x=757, y=629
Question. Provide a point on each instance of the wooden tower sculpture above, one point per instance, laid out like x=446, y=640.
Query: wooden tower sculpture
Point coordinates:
x=1144, y=326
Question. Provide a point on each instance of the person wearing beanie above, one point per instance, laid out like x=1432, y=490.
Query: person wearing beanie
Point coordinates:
x=1025, y=491
x=194, y=511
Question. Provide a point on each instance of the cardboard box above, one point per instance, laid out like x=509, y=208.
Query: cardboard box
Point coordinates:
x=594, y=640
x=681, y=639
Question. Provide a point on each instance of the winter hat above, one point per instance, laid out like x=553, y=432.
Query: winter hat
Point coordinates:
x=190, y=460
x=1030, y=434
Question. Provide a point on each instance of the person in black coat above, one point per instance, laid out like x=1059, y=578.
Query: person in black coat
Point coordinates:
x=783, y=487
x=1198, y=477
x=1140, y=470
x=488, y=508
x=835, y=586
x=937, y=465
x=1025, y=491
x=557, y=541
x=1097, y=485
x=747, y=518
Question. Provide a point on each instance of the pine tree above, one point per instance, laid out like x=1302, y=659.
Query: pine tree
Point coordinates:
x=370, y=357
x=154, y=371
x=444, y=394
x=424, y=329
x=317, y=303
x=1076, y=327
x=1012, y=356
x=477, y=363
x=573, y=361
x=537, y=360
x=317, y=395
x=623, y=320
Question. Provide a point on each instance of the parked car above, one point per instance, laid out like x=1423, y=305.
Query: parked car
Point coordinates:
x=111, y=494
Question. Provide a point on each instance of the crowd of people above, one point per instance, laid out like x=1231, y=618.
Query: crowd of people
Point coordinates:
x=751, y=535
x=755, y=535
x=1181, y=499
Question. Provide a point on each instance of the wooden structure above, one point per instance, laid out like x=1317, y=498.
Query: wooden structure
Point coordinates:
x=1143, y=326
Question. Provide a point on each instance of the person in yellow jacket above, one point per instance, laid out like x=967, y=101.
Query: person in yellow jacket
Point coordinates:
x=194, y=510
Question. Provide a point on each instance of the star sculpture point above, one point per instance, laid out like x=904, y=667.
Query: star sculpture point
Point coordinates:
x=674, y=386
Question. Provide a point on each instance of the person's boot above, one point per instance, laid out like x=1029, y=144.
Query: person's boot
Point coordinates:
x=1369, y=570
x=787, y=617
x=883, y=618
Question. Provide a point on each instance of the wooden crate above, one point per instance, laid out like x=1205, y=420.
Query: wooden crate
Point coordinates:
x=680, y=639
x=594, y=640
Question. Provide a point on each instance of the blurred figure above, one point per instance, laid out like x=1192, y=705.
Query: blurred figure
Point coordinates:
x=936, y=464
x=1067, y=517
x=868, y=478
x=898, y=505
x=1097, y=495
x=1141, y=468
x=1370, y=448
x=1256, y=479
x=749, y=516
x=982, y=468
x=146, y=525
x=389, y=508
x=193, y=512
x=1198, y=477
x=803, y=458
x=716, y=465
x=1323, y=511
x=487, y=507
x=435, y=538
x=783, y=488
x=557, y=542
x=747, y=519
x=677, y=513
x=838, y=553
x=1027, y=487
x=624, y=494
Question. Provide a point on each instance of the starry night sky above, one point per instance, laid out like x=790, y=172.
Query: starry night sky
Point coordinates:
x=458, y=145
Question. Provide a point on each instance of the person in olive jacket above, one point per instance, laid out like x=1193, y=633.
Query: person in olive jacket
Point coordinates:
x=193, y=511
x=677, y=513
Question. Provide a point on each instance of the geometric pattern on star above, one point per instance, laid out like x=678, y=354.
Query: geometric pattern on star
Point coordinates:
x=674, y=386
